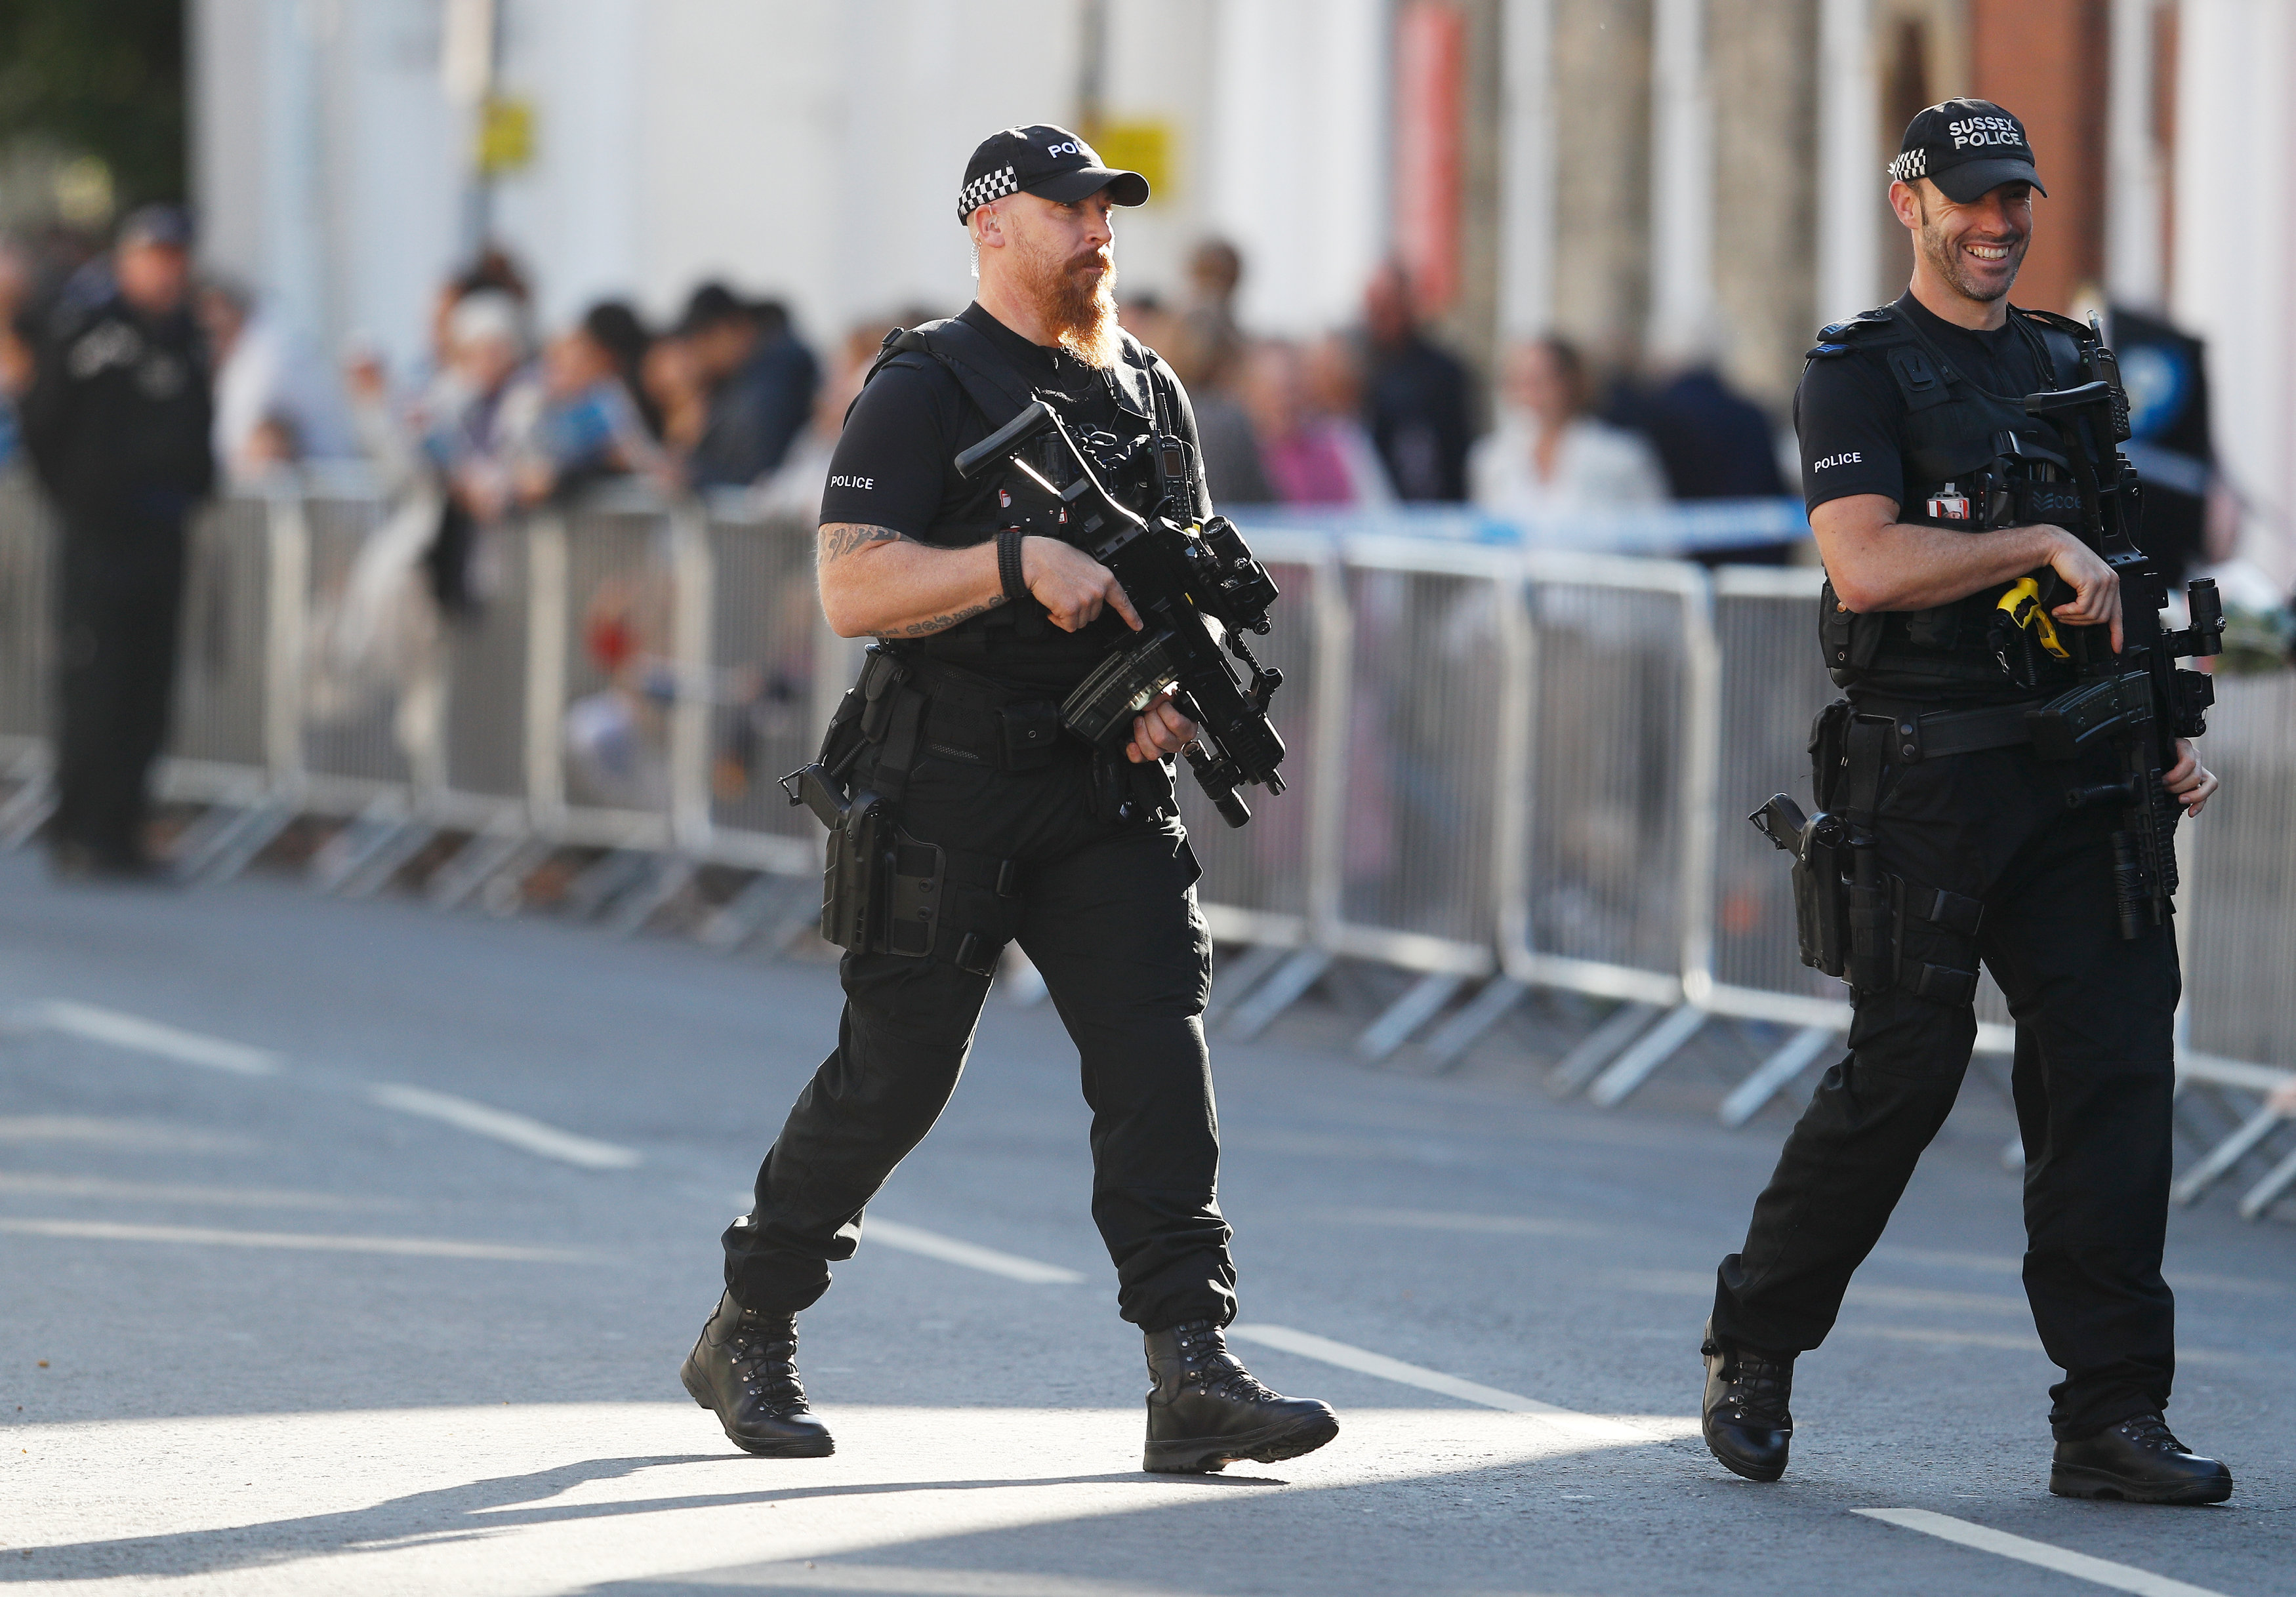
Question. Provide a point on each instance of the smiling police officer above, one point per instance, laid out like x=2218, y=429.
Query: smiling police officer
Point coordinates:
x=1933, y=494
x=1008, y=829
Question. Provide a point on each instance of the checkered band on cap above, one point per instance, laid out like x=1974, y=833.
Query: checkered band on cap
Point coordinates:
x=1913, y=163
x=981, y=190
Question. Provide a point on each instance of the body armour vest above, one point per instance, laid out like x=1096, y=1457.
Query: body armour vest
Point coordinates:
x=1140, y=458
x=1974, y=461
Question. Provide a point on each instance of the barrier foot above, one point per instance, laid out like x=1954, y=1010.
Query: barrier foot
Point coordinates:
x=1232, y=985
x=1774, y=1074
x=213, y=826
x=2225, y=1155
x=737, y=921
x=667, y=879
x=473, y=862
x=27, y=810
x=1639, y=1063
x=235, y=847
x=2261, y=1196
x=1464, y=1029
x=403, y=842
x=608, y=877
x=343, y=853
x=1406, y=1015
x=1598, y=1047
x=1278, y=993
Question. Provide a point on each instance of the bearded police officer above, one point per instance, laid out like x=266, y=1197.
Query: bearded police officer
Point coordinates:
x=1932, y=491
x=986, y=618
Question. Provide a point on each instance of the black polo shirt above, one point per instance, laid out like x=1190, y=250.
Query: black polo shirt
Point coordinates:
x=1848, y=411
x=894, y=467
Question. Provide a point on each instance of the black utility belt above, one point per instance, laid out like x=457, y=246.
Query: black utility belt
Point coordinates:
x=1917, y=734
x=2060, y=728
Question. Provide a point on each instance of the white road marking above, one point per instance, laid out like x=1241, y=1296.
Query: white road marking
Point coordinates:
x=931, y=1244
x=2006, y=1264
x=503, y=1126
x=1591, y=1428
x=2080, y=1566
x=118, y=1134
x=1420, y=1219
x=150, y=1037
x=106, y=1231
x=907, y=1580
x=140, y=1191
x=1692, y=1283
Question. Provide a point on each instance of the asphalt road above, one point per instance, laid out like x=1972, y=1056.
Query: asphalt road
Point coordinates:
x=292, y=1307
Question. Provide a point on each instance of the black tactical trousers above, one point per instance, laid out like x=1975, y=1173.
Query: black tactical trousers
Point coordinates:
x=1107, y=914
x=121, y=591
x=2093, y=1078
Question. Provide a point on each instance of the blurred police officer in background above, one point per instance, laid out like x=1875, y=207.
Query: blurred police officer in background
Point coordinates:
x=118, y=424
x=1917, y=468
x=987, y=619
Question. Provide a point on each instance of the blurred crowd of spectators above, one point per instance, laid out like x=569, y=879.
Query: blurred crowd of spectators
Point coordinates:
x=1381, y=413
x=500, y=416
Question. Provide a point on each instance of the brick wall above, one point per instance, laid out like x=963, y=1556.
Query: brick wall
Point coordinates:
x=2044, y=60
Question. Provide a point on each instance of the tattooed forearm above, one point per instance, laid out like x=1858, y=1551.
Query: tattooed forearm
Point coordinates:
x=926, y=629
x=841, y=539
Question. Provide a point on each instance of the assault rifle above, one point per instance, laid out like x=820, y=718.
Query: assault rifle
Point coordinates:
x=1183, y=581
x=2137, y=702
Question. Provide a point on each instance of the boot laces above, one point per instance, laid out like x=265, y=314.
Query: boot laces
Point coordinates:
x=2151, y=1433
x=1206, y=1362
x=764, y=1357
x=1759, y=1387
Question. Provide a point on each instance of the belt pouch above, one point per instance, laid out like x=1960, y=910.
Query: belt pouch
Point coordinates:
x=1829, y=752
x=1029, y=734
x=1850, y=640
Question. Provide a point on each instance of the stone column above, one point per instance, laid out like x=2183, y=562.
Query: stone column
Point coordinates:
x=1602, y=53
x=1761, y=59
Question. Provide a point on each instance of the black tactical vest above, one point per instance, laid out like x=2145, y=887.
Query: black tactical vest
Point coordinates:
x=1132, y=461
x=1974, y=461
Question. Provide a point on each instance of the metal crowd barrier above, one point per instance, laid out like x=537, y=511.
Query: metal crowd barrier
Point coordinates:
x=1513, y=768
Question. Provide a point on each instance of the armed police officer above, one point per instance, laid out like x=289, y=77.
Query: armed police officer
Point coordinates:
x=118, y=421
x=2000, y=786
x=1009, y=828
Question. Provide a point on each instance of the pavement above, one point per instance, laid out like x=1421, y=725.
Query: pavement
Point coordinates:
x=352, y=1247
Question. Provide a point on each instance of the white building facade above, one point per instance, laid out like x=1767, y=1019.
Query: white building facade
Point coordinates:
x=1645, y=176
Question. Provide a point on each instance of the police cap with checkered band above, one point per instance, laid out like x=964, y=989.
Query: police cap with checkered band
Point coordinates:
x=1042, y=160
x=1965, y=147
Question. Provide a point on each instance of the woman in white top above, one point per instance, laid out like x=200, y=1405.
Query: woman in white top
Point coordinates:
x=1547, y=456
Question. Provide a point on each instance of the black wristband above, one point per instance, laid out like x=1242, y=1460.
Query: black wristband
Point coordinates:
x=1008, y=564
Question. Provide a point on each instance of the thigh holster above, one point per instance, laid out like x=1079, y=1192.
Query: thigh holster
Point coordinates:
x=1851, y=917
x=882, y=890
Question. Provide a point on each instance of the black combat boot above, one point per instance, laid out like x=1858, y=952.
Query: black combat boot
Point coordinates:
x=1744, y=1416
x=1206, y=1411
x=2138, y=1461
x=744, y=1370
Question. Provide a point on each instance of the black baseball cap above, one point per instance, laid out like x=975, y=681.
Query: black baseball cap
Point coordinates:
x=1965, y=147
x=1042, y=160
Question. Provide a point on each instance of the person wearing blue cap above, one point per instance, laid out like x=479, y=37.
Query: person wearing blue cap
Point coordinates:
x=118, y=422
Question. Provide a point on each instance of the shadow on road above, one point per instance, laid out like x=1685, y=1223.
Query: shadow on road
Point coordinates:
x=446, y=1515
